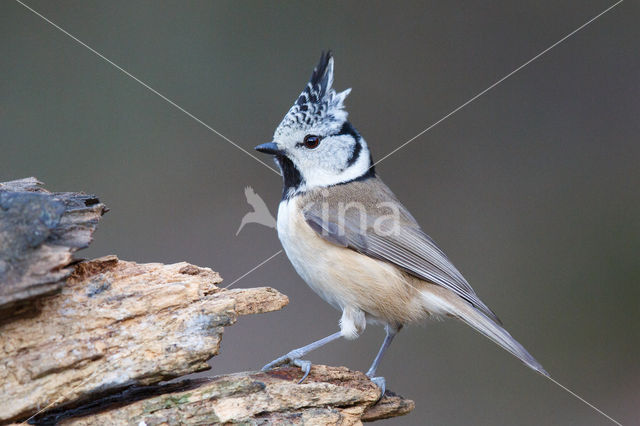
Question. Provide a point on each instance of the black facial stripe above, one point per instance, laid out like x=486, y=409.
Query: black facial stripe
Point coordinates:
x=368, y=174
x=291, y=175
x=355, y=154
x=348, y=129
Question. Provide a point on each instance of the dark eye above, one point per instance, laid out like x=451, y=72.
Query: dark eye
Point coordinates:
x=311, y=141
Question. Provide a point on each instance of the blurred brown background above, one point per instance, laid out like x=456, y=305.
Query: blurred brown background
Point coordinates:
x=532, y=189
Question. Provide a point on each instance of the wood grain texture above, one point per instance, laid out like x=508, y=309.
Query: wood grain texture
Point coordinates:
x=117, y=324
x=329, y=396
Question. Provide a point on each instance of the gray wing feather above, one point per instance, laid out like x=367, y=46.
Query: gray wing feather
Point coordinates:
x=408, y=247
x=328, y=230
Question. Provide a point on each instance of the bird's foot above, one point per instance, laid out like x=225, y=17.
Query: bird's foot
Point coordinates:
x=381, y=383
x=292, y=358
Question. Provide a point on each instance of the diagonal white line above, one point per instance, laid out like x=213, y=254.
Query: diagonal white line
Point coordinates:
x=254, y=268
x=90, y=376
x=498, y=82
x=151, y=89
x=572, y=393
x=64, y=395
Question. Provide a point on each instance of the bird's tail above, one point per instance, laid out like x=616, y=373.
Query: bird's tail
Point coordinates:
x=495, y=332
x=439, y=303
x=488, y=327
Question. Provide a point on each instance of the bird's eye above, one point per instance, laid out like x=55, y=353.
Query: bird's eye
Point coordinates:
x=311, y=141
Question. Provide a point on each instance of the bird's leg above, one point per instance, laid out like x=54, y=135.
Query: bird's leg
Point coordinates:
x=294, y=356
x=379, y=381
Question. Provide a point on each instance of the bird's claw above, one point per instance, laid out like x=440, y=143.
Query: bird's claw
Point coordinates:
x=305, y=366
x=292, y=358
x=381, y=383
x=276, y=363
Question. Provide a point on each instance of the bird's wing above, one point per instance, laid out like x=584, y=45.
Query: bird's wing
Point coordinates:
x=395, y=239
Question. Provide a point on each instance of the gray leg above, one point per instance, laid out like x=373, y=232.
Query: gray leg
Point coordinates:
x=391, y=333
x=294, y=356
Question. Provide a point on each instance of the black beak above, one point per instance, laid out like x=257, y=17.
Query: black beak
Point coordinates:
x=269, y=148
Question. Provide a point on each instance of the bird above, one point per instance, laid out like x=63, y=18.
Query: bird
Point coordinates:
x=260, y=213
x=353, y=242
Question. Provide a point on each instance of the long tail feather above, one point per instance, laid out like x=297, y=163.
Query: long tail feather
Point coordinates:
x=499, y=335
x=442, y=303
x=439, y=303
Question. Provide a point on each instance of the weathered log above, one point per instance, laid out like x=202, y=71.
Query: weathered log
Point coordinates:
x=39, y=232
x=116, y=324
x=330, y=395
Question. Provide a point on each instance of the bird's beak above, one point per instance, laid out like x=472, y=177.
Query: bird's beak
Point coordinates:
x=269, y=148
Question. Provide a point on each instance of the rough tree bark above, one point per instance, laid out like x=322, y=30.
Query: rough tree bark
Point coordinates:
x=39, y=232
x=101, y=336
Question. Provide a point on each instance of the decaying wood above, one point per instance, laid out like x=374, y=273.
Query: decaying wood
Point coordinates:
x=102, y=335
x=115, y=324
x=39, y=231
x=330, y=395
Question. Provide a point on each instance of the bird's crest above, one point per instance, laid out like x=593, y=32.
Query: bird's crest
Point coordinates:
x=318, y=102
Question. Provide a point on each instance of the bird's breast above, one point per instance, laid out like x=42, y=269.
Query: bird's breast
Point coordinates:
x=306, y=251
x=343, y=277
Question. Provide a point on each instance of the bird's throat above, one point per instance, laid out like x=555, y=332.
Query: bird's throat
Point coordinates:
x=291, y=176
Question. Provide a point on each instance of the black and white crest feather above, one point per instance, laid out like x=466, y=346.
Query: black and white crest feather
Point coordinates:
x=315, y=90
x=318, y=104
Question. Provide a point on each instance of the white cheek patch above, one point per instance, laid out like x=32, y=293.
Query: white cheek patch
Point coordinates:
x=315, y=176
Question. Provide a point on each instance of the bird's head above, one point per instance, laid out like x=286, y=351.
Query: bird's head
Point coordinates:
x=315, y=145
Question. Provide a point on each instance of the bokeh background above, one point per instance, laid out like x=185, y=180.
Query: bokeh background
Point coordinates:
x=532, y=190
